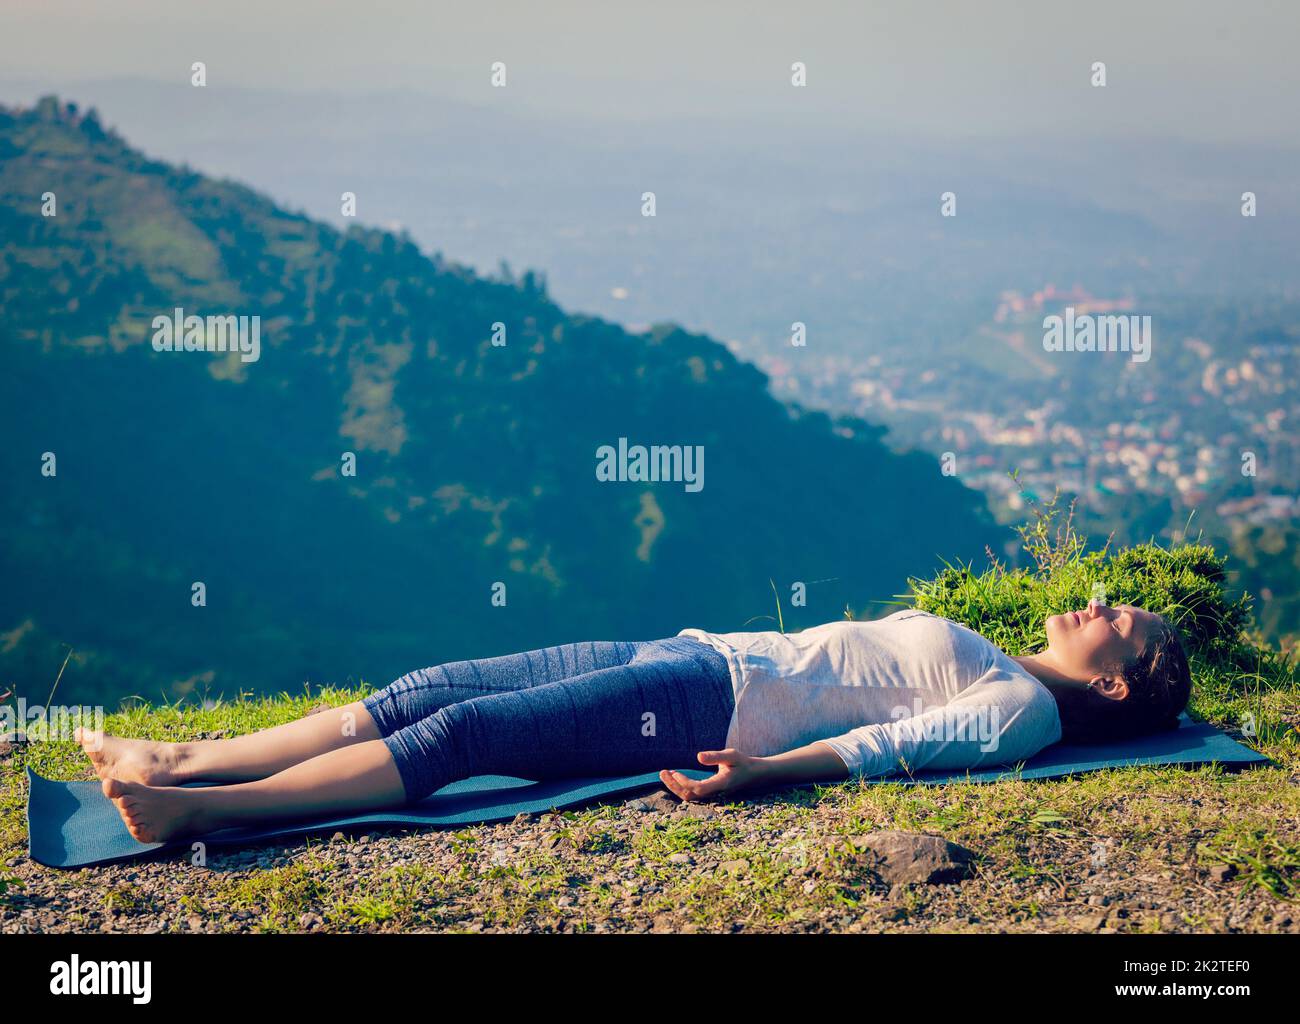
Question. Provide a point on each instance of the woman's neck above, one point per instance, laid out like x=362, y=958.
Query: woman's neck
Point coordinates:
x=1042, y=666
x=1070, y=694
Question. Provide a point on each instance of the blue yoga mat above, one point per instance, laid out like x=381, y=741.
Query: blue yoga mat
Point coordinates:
x=72, y=824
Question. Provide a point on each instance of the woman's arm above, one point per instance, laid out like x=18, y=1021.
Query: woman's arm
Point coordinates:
x=736, y=771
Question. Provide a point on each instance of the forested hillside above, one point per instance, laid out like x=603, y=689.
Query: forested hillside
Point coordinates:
x=475, y=462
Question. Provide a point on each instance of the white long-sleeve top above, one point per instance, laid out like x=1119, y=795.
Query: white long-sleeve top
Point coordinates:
x=903, y=693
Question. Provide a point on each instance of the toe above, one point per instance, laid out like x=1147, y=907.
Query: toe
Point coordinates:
x=115, y=789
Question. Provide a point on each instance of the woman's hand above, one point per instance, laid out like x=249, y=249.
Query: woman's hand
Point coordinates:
x=736, y=771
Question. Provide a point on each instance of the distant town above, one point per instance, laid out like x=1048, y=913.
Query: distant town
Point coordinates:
x=1208, y=424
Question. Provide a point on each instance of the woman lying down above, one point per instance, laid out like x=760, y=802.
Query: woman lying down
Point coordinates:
x=908, y=692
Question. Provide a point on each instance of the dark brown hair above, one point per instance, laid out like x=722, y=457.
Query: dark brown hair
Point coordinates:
x=1159, y=685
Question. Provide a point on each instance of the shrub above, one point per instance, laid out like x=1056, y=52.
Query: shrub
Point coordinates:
x=1185, y=583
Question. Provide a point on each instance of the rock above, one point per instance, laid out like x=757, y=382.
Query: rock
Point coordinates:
x=661, y=800
x=637, y=805
x=309, y=921
x=734, y=867
x=900, y=858
x=699, y=810
x=1222, y=872
x=680, y=858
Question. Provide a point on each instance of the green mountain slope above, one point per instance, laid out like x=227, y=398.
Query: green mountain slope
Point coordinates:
x=475, y=463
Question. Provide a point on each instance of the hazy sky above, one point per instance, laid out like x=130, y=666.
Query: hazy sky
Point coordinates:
x=1192, y=69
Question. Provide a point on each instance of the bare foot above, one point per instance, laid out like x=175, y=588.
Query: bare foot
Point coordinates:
x=144, y=761
x=155, y=814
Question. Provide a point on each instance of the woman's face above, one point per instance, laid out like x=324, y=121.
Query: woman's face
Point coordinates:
x=1098, y=640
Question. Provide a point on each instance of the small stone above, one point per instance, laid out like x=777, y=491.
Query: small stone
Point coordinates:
x=662, y=800
x=637, y=805
x=900, y=858
x=337, y=837
x=734, y=867
x=1222, y=872
x=309, y=921
x=680, y=858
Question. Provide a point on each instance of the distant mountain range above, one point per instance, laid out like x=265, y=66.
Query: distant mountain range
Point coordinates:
x=475, y=462
x=760, y=222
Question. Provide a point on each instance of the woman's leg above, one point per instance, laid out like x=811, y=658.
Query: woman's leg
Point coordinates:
x=672, y=700
x=412, y=697
x=239, y=759
x=419, y=694
x=361, y=777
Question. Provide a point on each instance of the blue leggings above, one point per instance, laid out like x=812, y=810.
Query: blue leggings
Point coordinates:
x=576, y=710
